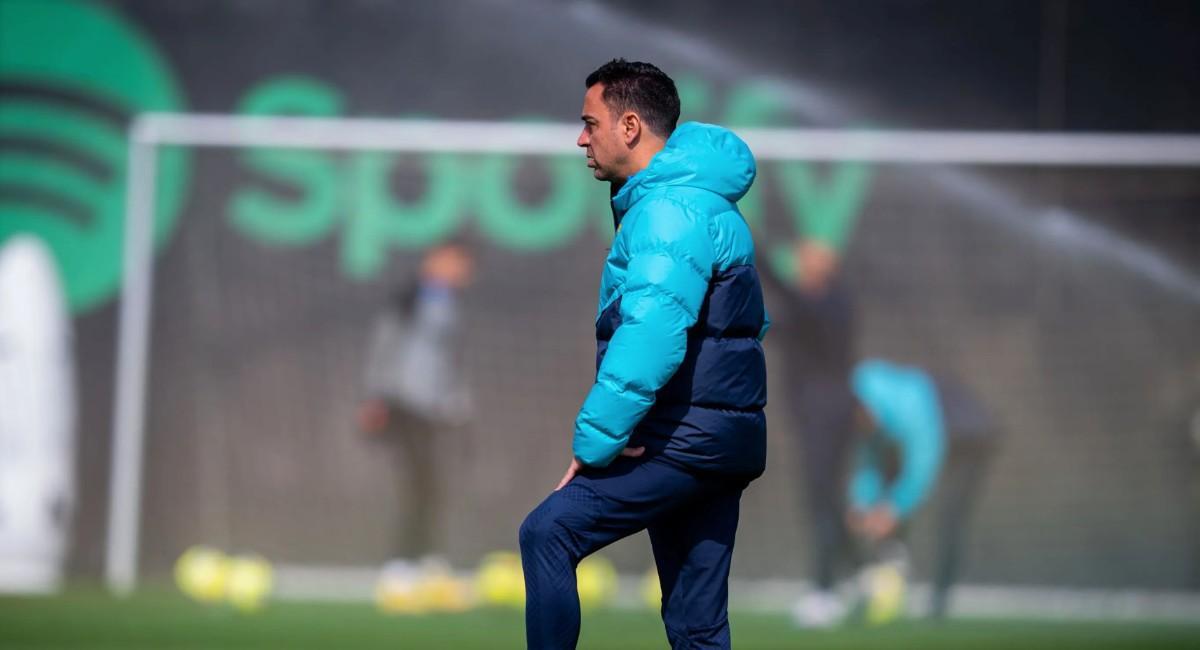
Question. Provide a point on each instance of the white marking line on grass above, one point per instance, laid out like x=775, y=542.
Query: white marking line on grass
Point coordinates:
x=357, y=584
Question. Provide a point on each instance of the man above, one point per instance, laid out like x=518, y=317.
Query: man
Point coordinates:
x=414, y=387
x=918, y=427
x=814, y=319
x=672, y=430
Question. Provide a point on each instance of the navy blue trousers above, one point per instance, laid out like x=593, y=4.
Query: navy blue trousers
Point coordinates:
x=691, y=518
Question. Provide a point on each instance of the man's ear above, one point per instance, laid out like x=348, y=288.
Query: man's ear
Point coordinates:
x=631, y=127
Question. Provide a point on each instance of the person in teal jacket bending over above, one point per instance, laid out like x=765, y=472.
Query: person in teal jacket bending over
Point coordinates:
x=920, y=430
x=672, y=430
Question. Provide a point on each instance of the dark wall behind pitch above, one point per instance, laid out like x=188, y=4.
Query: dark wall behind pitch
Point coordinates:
x=1094, y=367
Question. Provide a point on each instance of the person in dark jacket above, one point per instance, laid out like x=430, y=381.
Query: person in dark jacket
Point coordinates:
x=673, y=429
x=815, y=327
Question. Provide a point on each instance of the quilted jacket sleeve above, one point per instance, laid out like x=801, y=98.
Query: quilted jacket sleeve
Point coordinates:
x=669, y=267
x=921, y=450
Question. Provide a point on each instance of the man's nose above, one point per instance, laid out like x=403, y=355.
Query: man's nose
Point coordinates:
x=582, y=140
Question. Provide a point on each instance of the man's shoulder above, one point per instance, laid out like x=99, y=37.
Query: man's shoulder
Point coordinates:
x=697, y=201
x=665, y=212
x=665, y=223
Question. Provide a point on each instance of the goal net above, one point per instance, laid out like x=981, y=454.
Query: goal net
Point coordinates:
x=1056, y=272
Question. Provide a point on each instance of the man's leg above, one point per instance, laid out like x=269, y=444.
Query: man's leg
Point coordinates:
x=966, y=466
x=416, y=483
x=597, y=508
x=971, y=437
x=693, y=547
x=824, y=417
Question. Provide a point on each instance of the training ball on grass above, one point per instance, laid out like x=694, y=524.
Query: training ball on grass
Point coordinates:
x=397, y=591
x=885, y=594
x=500, y=582
x=596, y=579
x=442, y=592
x=202, y=573
x=249, y=582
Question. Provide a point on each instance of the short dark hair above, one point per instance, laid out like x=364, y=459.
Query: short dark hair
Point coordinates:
x=641, y=88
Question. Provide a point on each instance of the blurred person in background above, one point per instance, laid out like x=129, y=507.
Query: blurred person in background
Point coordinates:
x=916, y=431
x=415, y=389
x=814, y=316
x=672, y=430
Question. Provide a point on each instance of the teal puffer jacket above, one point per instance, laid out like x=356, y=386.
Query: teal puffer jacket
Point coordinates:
x=680, y=319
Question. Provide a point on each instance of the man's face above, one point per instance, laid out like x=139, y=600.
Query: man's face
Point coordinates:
x=607, y=152
x=816, y=262
x=448, y=265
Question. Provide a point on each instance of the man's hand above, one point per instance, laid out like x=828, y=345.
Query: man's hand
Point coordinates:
x=875, y=524
x=373, y=416
x=575, y=466
x=572, y=470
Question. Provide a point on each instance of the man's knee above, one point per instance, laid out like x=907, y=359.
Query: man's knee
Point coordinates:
x=536, y=530
x=561, y=524
x=546, y=526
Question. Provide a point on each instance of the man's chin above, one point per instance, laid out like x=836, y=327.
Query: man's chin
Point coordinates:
x=600, y=174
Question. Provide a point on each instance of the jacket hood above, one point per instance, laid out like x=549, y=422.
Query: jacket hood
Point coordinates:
x=696, y=155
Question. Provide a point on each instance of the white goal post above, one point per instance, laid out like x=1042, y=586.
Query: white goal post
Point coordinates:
x=151, y=130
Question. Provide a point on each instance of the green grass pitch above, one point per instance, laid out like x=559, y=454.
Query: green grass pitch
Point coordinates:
x=163, y=620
